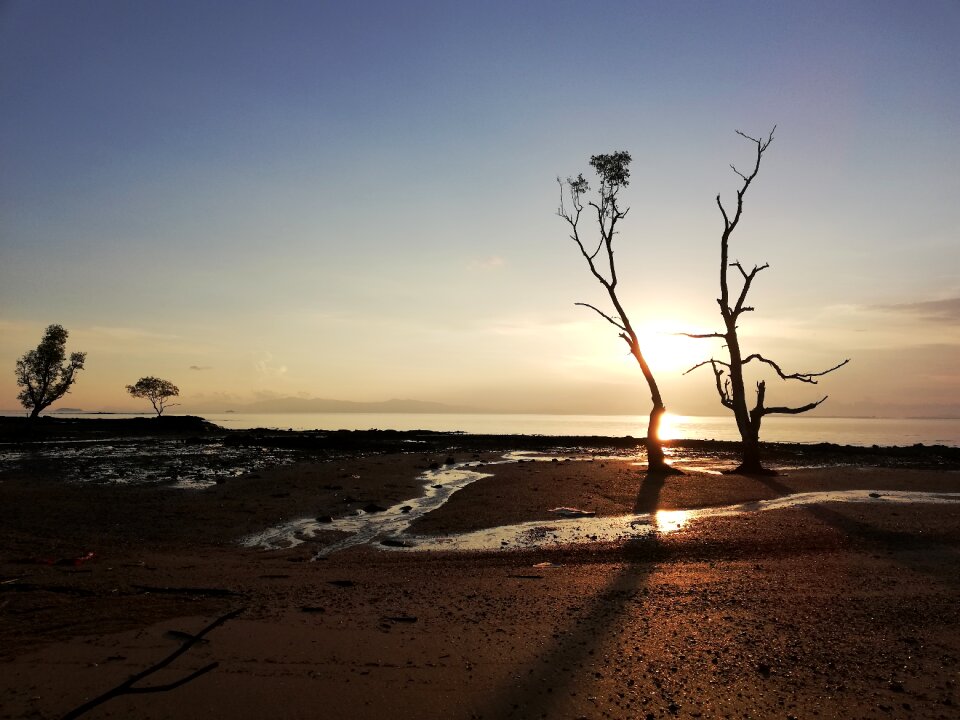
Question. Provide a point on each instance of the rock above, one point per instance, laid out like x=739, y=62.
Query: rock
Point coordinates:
x=393, y=542
x=571, y=512
x=406, y=508
x=373, y=508
x=450, y=460
x=324, y=518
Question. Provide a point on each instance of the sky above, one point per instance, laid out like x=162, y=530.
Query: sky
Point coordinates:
x=358, y=200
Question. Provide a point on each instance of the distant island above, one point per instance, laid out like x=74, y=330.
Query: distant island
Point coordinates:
x=325, y=405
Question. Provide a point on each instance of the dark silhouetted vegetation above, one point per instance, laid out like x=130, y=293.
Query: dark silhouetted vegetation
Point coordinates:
x=728, y=374
x=156, y=390
x=614, y=173
x=44, y=374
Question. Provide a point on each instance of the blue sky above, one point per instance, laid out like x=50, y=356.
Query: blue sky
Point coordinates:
x=357, y=200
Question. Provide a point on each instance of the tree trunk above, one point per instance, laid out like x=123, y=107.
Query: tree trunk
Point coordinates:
x=750, y=459
x=656, y=463
x=36, y=411
x=655, y=459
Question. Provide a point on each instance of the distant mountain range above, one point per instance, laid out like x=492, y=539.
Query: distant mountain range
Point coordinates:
x=324, y=405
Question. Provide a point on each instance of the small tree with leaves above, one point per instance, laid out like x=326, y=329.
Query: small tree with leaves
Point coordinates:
x=156, y=390
x=44, y=374
x=728, y=374
x=614, y=173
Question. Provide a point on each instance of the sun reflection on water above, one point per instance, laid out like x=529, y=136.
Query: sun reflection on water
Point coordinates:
x=668, y=521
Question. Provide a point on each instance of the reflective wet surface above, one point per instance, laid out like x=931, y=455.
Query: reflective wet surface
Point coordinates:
x=387, y=529
x=541, y=534
x=145, y=461
x=371, y=526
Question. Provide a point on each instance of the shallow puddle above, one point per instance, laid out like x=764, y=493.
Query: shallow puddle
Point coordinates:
x=367, y=527
x=554, y=533
x=387, y=529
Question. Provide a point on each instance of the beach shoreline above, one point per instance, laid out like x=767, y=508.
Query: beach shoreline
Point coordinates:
x=846, y=609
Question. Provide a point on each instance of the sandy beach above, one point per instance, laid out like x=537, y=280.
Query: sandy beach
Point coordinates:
x=825, y=609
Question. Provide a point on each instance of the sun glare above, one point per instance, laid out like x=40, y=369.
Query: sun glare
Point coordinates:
x=668, y=352
x=668, y=427
x=668, y=521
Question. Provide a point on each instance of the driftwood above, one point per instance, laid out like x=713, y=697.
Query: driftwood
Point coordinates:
x=127, y=687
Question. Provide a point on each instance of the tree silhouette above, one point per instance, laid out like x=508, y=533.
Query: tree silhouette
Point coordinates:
x=614, y=173
x=156, y=390
x=43, y=373
x=728, y=374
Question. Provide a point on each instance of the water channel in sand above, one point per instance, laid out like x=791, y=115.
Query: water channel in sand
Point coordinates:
x=387, y=529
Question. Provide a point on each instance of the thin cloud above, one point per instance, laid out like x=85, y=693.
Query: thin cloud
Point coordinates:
x=267, y=368
x=947, y=311
x=201, y=367
x=494, y=262
x=128, y=333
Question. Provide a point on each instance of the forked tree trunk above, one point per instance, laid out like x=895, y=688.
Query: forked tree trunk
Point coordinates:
x=750, y=456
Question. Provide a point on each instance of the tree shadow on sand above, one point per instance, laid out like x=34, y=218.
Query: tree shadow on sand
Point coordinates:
x=546, y=689
x=921, y=553
x=576, y=650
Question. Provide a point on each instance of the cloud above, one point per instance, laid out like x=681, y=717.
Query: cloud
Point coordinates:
x=128, y=333
x=494, y=262
x=266, y=367
x=947, y=311
x=201, y=367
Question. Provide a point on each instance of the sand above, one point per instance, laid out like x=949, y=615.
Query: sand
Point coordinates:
x=829, y=610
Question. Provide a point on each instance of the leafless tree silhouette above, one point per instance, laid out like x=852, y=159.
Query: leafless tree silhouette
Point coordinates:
x=614, y=172
x=728, y=374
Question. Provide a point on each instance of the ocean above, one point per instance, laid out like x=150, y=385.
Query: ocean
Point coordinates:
x=784, y=428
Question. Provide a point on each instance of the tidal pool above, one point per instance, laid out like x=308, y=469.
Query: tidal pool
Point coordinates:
x=388, y=529
x=368, y=527
x=555, y=533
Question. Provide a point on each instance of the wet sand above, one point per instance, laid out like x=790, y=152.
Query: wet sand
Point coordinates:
x=833, y=610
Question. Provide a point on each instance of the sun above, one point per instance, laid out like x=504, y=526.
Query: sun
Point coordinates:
x=668, y=352
x=669, y=427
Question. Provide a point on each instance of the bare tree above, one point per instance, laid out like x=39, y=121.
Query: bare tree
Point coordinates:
x=44, y=374
x=614, y=173
x=728, y=374
x=156, y=390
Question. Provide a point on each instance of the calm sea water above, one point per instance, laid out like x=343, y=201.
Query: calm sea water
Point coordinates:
x=844, y=431
x=803, y=429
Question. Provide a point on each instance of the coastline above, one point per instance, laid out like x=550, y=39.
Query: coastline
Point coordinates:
x=844, y=609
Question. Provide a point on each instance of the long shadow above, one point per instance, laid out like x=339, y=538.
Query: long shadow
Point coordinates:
x=894, y=543
x=560, y=664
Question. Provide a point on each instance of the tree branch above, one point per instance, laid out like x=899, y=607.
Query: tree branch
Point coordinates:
x=701, y=336
x=793, y=411
x=603, y=315
x=747, y=281
x=126, y=687
x=801, y=376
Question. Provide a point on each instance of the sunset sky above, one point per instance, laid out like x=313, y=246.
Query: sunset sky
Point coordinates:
x=357, y=200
